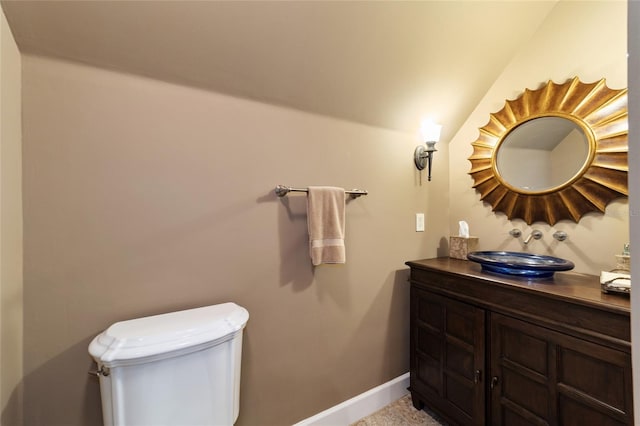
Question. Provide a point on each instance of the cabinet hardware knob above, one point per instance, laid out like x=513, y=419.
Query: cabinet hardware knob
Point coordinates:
x=477, y=377
x=494, y=382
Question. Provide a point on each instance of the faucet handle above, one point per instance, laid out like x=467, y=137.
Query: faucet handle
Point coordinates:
x=560, y=235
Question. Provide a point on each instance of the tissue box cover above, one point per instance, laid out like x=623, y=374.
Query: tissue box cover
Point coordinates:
x=460, y=246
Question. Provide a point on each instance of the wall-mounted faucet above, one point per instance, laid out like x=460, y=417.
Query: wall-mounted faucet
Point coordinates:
x=535, y=234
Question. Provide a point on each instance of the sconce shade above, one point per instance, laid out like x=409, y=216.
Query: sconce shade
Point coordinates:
x=430, y=131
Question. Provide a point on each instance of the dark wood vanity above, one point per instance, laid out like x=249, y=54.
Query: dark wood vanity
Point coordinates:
x=491, y=349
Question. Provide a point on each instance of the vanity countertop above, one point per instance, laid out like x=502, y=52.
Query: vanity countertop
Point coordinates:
x=578, y=288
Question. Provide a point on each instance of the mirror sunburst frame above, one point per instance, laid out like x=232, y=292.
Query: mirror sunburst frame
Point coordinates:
x=600, y=111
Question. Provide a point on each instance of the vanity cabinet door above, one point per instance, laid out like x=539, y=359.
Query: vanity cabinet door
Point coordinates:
x=447, y=357
x=540, y=377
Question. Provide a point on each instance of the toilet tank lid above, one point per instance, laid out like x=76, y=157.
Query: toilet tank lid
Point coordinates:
x=159, y=334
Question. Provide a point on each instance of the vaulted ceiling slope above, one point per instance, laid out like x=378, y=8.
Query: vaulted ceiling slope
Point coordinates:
x=382, y=63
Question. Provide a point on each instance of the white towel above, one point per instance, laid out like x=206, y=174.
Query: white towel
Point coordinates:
x=325, y=219
x=615, y=279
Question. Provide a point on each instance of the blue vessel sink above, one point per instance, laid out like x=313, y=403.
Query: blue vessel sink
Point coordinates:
x=520, y=264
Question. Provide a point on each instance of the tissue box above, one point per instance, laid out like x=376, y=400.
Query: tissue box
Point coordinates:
x=459, y=247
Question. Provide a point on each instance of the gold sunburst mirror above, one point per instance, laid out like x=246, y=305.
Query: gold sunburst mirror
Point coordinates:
x=555, y=153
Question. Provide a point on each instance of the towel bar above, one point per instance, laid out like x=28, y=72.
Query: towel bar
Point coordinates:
x=282, y=190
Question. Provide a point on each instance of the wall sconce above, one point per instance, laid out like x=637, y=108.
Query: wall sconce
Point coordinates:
x=422, y=156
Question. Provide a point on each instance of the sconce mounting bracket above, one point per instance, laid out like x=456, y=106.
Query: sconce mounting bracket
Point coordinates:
x=420, y=157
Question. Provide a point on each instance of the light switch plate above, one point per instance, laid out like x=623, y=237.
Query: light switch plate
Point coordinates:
x=419, y=222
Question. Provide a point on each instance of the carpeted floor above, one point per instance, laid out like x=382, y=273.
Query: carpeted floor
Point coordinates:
x=400, y=413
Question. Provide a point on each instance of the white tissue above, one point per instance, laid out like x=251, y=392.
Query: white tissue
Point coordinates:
x=463, y=229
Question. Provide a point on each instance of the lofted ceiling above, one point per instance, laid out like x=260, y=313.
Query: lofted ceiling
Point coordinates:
x=381, y=63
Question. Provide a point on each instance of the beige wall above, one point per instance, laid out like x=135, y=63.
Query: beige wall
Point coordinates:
x=144, y=197
x=591, y=47
x=10, y=230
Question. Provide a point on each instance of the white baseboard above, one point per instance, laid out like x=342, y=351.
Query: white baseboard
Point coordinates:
x=362, y=405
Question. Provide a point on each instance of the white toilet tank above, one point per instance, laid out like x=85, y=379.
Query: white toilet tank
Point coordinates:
x=178, y=369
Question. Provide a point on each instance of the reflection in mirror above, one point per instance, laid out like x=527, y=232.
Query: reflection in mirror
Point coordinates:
x=542, y=153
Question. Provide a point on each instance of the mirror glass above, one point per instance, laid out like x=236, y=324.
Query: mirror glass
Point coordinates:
x=542, y=153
